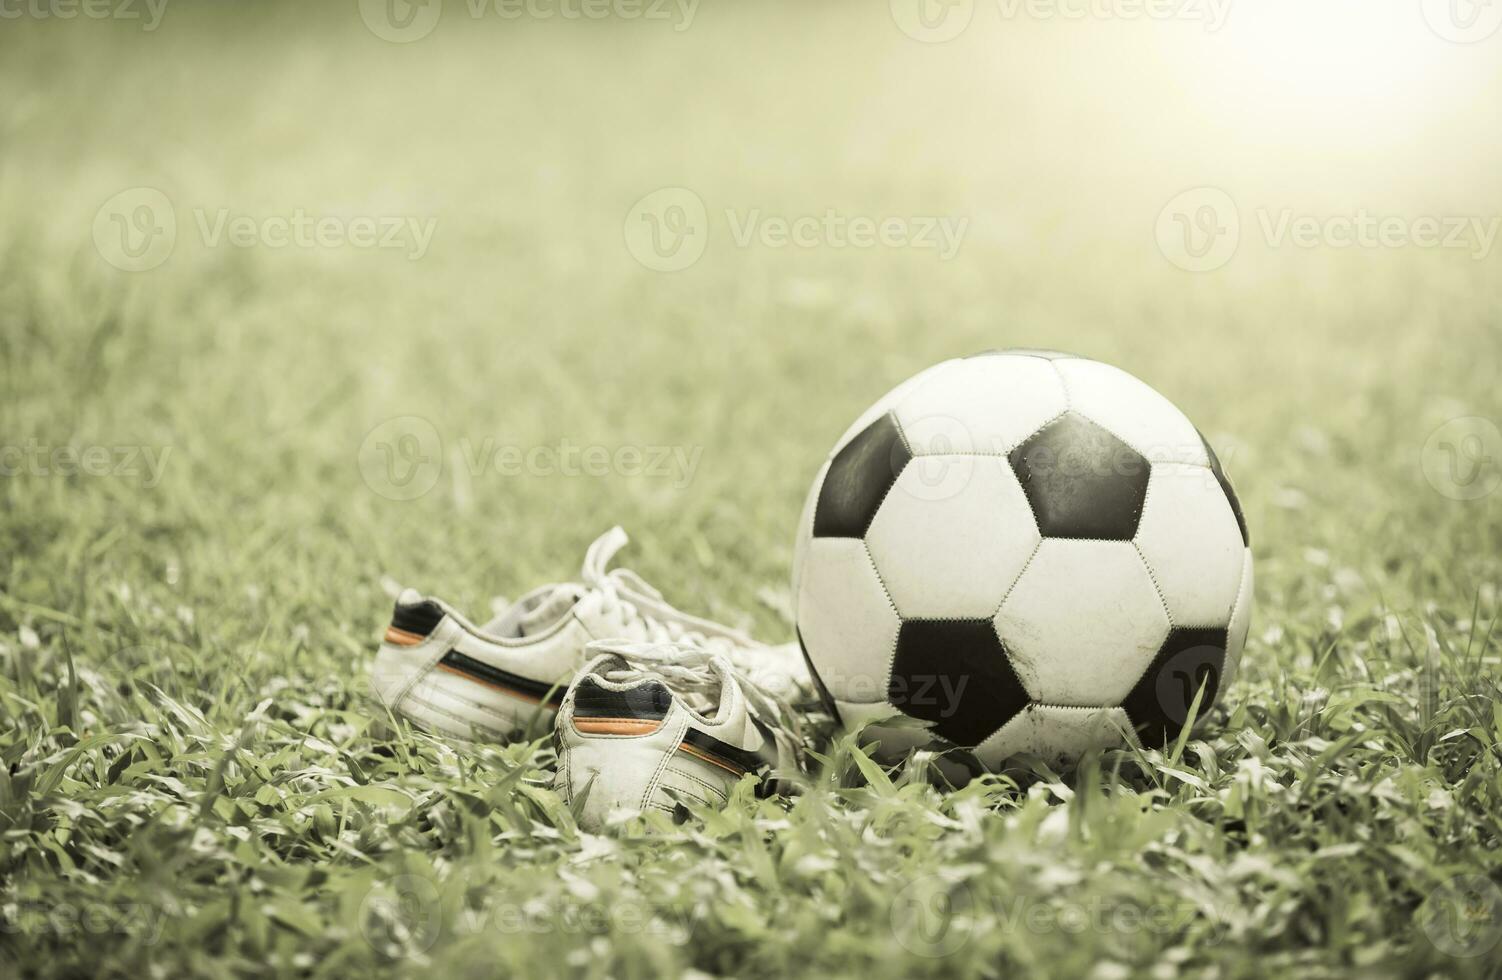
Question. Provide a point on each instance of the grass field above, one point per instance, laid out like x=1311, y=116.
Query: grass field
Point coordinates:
x=195, y=782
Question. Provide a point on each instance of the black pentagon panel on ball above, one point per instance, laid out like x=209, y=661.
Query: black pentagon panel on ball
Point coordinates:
x=1082, y=481
x=858, y=480
x=956, y=674
x=1159, y=703
x=1047, y=355
x=1227, y=489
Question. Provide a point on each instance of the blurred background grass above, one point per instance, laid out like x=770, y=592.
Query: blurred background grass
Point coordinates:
x=528, y=141
x=1320, y=373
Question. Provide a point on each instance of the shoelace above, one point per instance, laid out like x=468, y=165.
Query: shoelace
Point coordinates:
x=624, y=592
x=699, y=677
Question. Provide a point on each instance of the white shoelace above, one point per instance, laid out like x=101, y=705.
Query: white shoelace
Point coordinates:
x=622, y=592
x=699, y=677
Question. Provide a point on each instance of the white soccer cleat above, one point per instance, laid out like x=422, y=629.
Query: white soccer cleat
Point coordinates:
x=506, y=678
x=654, y=726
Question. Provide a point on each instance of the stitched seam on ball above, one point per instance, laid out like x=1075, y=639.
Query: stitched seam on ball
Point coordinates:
x=1146, y=456
x=897, y=424
x=897, y=636
x=1075, y=707
x=1051, y=421
x=1246, y=566
x=1128, y=733
x=879, y=580
x=1065, y=537
x=1147, y=496
x=1148, y=666
x=1150, y=461
x=796, y=579
x=813, y=512
x=1069, y=401
x=1011, y=588
x=1236, y=603
x=945, y=619
x=1063, y=383
x=902, y=437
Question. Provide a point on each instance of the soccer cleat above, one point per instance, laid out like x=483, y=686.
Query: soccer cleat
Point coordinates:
x=656, y=726
x=506, y=678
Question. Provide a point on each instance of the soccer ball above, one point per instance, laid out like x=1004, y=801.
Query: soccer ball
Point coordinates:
x=1031, y=553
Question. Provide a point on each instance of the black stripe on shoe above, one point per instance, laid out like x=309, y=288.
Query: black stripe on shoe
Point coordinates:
x=647, y=701
x=539, y=691
x=716, y=752
x=419, y=618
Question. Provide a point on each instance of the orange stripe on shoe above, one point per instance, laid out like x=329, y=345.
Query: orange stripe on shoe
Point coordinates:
x=703, y=756
x=402, y=638
x=617, y=726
